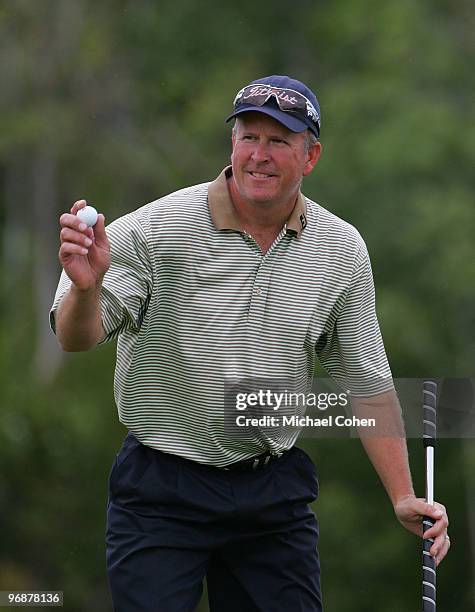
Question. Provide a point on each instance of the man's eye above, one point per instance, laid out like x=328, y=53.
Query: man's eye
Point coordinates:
x=279, y=141
x=248, y=137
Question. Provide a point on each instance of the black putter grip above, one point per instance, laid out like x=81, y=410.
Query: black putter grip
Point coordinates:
x=429, y=437
x=428, y=572
x=430, y=421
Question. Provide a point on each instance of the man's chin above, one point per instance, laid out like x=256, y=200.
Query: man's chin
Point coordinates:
x=260, y=192
x=260, y=197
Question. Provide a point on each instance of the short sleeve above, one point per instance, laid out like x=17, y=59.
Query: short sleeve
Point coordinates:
x=353, y=352
x=127, y=285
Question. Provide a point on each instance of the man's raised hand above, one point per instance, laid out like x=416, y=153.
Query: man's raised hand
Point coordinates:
x=85, y=251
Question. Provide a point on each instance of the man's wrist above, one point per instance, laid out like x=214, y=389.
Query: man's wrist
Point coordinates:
x=86, y=292
x=401, y=498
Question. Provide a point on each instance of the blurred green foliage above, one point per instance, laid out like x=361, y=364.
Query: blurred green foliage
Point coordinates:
x=121, y=102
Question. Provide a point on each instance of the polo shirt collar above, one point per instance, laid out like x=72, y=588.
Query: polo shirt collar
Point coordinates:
x=224, y=216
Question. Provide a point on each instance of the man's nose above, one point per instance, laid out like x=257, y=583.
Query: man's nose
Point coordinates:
x=260, y=152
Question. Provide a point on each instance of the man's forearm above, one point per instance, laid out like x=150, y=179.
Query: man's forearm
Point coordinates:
x=79, y=320
x=386, y=444
x=389, y=458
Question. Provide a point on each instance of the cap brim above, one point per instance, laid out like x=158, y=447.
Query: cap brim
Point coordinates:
x=289, y=121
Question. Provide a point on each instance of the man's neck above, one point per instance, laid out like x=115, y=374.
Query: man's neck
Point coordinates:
x=261, y=219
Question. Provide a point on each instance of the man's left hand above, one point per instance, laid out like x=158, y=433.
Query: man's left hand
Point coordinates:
x=410, y=511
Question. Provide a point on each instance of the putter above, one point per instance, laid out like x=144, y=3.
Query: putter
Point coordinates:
x=429, y=437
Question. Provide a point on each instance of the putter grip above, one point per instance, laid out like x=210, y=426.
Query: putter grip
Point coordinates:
x=429, y=404
x=428, y=572
x=429, y=437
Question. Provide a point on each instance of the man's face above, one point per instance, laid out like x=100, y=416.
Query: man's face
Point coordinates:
x=269, y=160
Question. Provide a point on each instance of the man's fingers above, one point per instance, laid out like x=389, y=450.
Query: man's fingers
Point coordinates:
x=438, y=514
x=438, y=545
x=444, y=549
x=77, y=206
x=436, y=511
x=100, y=236
x=69, y=248
x=71, y=236
x=100, y=225
x=75, y=233
x=70, y=220
x=438, y=531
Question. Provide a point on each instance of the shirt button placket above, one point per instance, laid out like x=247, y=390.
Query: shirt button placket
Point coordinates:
x=258, y=296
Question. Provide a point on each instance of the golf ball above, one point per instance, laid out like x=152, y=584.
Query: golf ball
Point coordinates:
x=88, y=215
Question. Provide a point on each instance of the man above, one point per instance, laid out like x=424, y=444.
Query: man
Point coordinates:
x=241, y=278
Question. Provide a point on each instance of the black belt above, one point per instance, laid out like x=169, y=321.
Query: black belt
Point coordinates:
x=254, y=463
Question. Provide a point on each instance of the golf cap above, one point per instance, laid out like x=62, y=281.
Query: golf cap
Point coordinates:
x=285, y=99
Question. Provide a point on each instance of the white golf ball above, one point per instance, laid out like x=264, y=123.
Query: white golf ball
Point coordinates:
x=88, y=215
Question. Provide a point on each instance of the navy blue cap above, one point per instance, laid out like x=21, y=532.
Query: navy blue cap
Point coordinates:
x=297, y=120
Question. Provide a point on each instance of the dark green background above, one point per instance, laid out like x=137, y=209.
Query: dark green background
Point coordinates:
x=121, y=102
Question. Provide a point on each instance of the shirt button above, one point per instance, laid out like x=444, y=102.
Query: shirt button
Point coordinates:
x=258, y=291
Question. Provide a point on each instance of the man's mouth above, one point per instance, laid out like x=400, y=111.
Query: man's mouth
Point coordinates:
x=261, y=175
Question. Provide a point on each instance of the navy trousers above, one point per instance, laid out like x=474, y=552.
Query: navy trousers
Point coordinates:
x=171, y=522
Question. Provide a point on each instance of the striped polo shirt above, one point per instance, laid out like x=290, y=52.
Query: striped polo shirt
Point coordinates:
x=196, y=306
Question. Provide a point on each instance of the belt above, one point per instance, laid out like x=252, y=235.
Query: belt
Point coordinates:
x=254, y=463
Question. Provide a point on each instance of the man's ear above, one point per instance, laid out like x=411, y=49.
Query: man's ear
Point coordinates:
x=313, y=155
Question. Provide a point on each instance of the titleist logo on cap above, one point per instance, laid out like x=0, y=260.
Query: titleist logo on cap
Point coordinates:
x=259, y=90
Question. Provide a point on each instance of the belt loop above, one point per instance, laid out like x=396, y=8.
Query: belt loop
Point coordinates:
x=255, y=464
